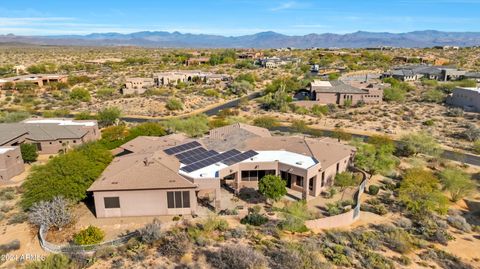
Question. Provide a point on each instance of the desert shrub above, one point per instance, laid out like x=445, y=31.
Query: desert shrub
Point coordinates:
x=238, y=232
x=17, y=218
x=284, y=258
x=105, y=253
x=151, y=232
x=174, y=104
x=444, y=259
x=266, y=121
x=404, y=223
x=337, y=254
x=376, y=208
x=89, y=236
x=293, y=224
x=236, y=256
x=80, y=94
x=459, y=223
x=57, y=261
x=108, y=116
x=54, y=213
x=215, y=224
x=374, y=260
x=254, y=218
x=174, y=245
x=7, y=194
x=404, y=260
x=193, y=126
x=13, y=245
x=398, y=240
x=373, y=189
x=455, y=112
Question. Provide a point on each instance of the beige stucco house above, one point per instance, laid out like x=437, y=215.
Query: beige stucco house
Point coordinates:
x=37, y=79
x=166, y=175
x=51, y=136
x=11, y=163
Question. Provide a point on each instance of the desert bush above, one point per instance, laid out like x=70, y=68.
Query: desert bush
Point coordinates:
x=151, y=232
x=17, y=218
x=254, y=218
x=266, y=121
x=398, y=240
x=174, y=104
x=444, y=259
x=372, y=260
x=285, y=259
x=455, y=112
x=373, y=189
x=293, y=224
x=174, y=245
x=57, y=261
x=215, y=224
x=337, y=254
x=13, y=245
x=238, y=232
x=89, y=236
x=459, y=223
x=105, y=253
x=55, y=213
x=236, y=256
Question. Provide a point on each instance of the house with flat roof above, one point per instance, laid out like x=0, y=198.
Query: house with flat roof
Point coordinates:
x=416, y=72
x=466, y=98
x=338, y=92
x=137, y=85
x=37, y=79
x=51, y=136
x=11, y=163
x=166, y=175
x=275, y=62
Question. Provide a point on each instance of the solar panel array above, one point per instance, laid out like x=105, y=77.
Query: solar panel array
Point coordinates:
x=209, y=161
x=198, y=157
x=183, y=147
x=189, y=153
x=240, y=157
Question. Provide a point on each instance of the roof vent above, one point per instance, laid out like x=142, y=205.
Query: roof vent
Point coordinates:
x=114, y=182
x=299, y=163
x=172, y=181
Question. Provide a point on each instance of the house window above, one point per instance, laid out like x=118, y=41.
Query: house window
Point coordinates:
x=111, y=202
x=299, y=181
x=323, y=179
x=338, y=167
x=178, y=199
x=74, y=141
x=310, y=183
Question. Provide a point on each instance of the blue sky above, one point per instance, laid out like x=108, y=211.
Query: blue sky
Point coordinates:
x=228, y=17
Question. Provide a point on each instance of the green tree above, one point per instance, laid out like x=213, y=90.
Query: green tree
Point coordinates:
x=108, y=116
x=80, y=94
x=340, y=134
x=68, y=175
x=29, y=152
x=241, y=87
x=345, y=180
x=457, y=182
x=433, y=96
x=374, y=158
x=272, y=187
x=147, y=129
x=476, y=146
x=420, y=142
x=419, y=191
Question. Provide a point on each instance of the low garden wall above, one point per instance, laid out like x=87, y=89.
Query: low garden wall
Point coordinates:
x=50, y=247
x=344, y=219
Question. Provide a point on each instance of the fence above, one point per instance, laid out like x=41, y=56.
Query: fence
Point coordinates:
x=50, y=247
x=344, y=219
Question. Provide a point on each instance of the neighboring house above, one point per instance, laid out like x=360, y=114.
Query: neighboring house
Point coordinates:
x=197, y=61
x=137, y=85
x=274, y=62
x=51, y=136
x=416, y=72
x=166, y=175
x=11, y=163
x=466, y=98
x=38, y=79
x=175, y=77
x=337, y=92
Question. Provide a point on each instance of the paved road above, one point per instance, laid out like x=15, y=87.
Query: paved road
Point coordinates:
x=209, y=112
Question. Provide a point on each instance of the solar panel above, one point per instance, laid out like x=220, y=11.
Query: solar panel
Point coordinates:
x=209, y=161
x=183, y=147
x=198, y=157
x=190, y=153
x=240, y=157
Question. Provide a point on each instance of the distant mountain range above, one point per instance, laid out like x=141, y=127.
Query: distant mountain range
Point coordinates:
x=358, y=39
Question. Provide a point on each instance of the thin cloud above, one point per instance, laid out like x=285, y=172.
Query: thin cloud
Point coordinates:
x=284, y=6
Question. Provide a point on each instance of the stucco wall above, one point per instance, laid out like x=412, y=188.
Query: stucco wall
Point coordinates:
x=141, y=203
x=11, y=164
